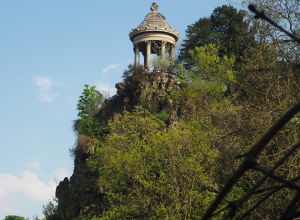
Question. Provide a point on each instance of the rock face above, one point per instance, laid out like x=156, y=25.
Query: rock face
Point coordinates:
x=80, y=195
x=152, y=91
x=159, y=87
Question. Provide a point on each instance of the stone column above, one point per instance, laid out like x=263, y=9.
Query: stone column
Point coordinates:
x=145, y=59
x=148, y=54
x=172, y=54
x=163, y=50
x=136, y=55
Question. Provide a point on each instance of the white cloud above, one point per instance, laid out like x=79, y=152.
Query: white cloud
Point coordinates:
x=34, y=164
x=106, y=88
x=45, y=86
x=44, y=82
x=6, y=206
x=28, y=184
x=28, y=187
x=110, y=68
x=105, y=84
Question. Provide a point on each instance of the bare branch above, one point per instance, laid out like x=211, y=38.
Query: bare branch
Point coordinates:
x=262, y=15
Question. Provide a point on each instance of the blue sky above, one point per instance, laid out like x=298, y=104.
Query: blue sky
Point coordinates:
x=48, y=50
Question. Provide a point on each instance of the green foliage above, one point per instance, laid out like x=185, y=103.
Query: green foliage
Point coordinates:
x=50, y=211
x=150, y=171
x=89, y=102
x=267, y=89
x=88, y=105
x=210, y=67
x=163, y=115
x=14, y=217
x=161, y=64
x=206, y=83
x=89, y=126
x=225, y=27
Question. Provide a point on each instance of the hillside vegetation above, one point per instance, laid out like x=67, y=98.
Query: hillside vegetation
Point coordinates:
x=165, y=144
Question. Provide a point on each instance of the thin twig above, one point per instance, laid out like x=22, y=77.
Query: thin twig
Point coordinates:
x=250, y=158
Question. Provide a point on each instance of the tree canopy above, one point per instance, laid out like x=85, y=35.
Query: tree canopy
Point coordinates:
x=226, y=27
x=167, y=172
x=89, y=103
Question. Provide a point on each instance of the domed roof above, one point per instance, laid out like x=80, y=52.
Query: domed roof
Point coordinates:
x=154, y=22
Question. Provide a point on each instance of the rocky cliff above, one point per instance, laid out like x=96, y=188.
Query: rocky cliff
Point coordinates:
x=79, y=195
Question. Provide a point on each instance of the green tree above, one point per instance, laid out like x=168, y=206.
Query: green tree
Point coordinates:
x=206, y=83
x=149, y=171
x=161, y=64
x=14, y=217
x=50, y=211
x=268, y=88
x=226, y=27
x=88, y=105
x=89, y=102
x=210, y=67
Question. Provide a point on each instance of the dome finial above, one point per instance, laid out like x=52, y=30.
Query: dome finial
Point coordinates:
x=154, y=7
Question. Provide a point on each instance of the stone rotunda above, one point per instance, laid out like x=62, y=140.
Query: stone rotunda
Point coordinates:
x=154, y=36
